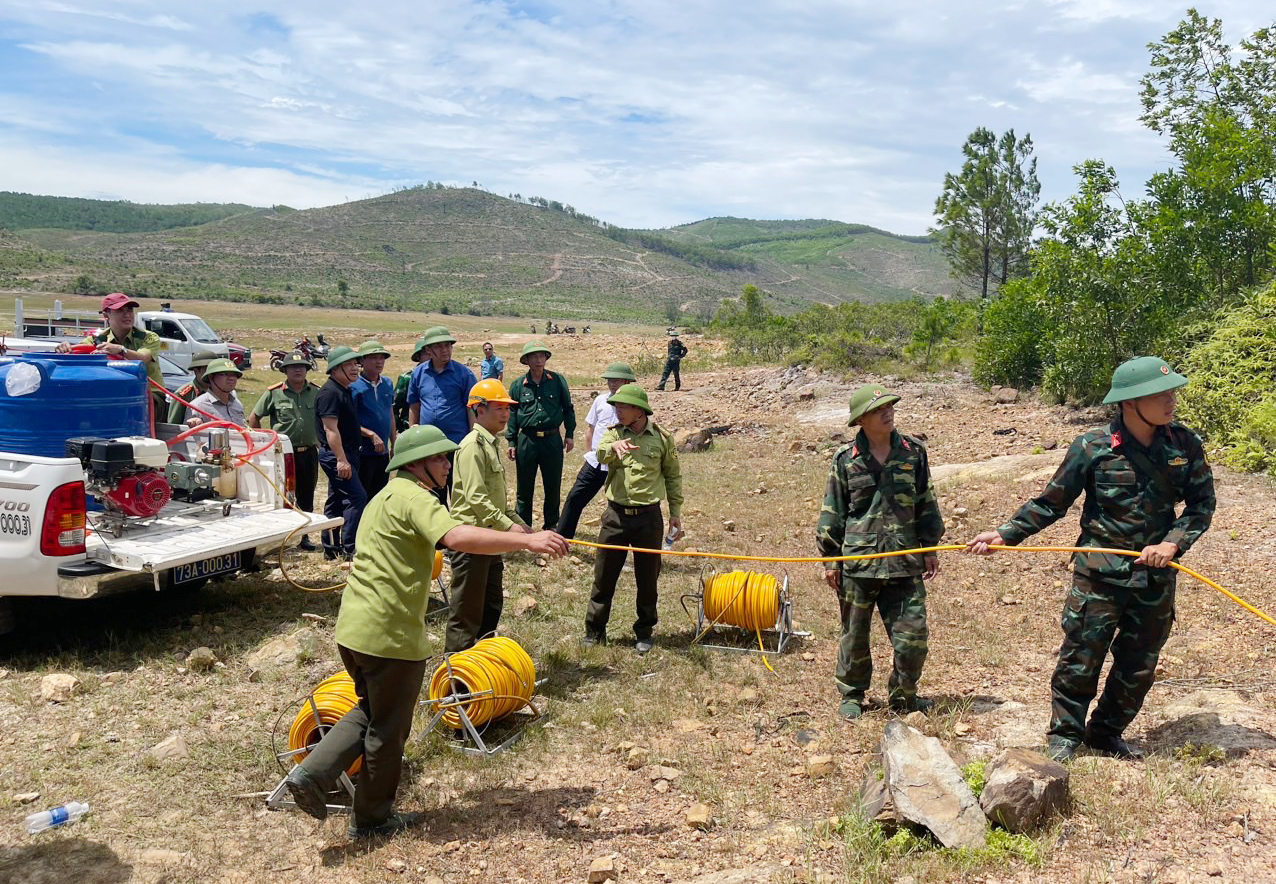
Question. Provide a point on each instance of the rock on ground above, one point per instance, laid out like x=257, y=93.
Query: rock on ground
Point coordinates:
x=59, y=687
x=1023, y=789
x=751, y=875
x=927, y=788
x=284, y=650
x=1212, y=718
x=173, y=748
x=603, y=869
x=201, y=659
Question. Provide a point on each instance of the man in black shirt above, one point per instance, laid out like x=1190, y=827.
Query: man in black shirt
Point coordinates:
x=339, y=439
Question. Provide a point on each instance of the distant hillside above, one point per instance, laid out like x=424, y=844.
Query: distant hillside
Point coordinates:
x=25, y=211
x=467, y=250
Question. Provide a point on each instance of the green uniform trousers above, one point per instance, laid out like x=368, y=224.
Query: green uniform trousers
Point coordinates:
x=901, y=601
x=377, y=728
x=1134, y=623
x=641, y=527
x=546, y=454
x=476, y=599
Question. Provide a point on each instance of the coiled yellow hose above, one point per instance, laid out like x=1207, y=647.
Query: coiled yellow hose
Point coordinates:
x=333, y=698
x=497, y=674
x=745, y=599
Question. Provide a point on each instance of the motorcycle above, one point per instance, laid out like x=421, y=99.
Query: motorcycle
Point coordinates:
x=312, y=352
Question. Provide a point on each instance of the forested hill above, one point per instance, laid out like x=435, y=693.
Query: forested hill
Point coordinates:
x=25, y=211
x=460, y=249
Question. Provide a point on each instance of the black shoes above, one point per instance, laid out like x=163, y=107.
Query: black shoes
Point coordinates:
x=307, y=793
x=306, y=544
x=1061, y=749
x=913, y=704
x=1112, y=746
x=396, y=823
x=594, y=638
x=643, y=646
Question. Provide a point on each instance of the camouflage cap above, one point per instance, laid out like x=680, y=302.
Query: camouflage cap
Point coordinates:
x=1142, y=376
x=869, y=397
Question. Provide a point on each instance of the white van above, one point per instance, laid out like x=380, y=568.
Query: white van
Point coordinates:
x=183, y=334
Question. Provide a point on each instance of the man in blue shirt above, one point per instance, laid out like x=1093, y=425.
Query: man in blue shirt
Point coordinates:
x=440, y=388
x=374, y=400
x=492, y=366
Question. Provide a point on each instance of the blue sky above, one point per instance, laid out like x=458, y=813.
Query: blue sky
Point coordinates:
x=646, y=113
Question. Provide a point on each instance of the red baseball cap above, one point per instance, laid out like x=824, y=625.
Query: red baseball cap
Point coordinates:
x=116, y=300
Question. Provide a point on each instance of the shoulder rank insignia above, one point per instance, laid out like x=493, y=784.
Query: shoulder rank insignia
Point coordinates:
x=906, y=466
x=276, y=386
x=1178, y=461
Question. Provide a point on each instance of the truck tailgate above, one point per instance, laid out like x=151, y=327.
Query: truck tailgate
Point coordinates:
x=181, y=539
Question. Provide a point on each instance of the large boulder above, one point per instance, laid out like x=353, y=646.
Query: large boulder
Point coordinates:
x=928, y=790
x=1023, y=789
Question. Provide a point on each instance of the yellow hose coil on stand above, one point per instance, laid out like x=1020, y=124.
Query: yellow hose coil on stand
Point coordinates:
x=491, y=680
x=745, y=599
x=333, y=698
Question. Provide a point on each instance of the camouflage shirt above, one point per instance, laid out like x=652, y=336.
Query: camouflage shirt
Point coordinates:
x=1124, y=507
x=870, y=509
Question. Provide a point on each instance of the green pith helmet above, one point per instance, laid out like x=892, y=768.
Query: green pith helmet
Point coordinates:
x=202, y=358
x=222, y=366
x=868, y=398
x=534, y=347
x=620, y=370
x=630, y=394
x=296, y=357
x=437, y=335
x=372, y=348
x=419, y=442
x=1142, y=376
x=340, y=356
x=418, y=349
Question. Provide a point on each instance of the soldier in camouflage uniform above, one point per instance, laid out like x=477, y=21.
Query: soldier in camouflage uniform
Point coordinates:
x=880, y=499
x=1133, y=473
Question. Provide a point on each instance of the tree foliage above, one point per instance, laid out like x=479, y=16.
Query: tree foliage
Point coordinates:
x=986, y=212
x=25, y=211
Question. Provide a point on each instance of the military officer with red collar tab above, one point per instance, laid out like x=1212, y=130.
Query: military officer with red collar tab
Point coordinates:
x=880, y=499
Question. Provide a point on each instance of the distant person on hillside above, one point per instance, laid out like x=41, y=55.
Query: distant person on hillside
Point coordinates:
x=374, y=401
x=492, y=366
x=1133, y=473
x=439, y=389
x=535, y=432
x=593, y=475
x=673, y=360
x=880, y=499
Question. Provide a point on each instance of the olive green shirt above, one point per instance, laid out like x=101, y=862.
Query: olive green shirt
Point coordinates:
x=646, y=476
x=187, y=393
x=292, y=414
x=478, y=483
x=383, y=605
x=542, y=406
x=139, y=342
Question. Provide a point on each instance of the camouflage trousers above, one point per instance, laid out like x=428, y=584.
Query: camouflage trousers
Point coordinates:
x=1133, y=622
x=901, y=601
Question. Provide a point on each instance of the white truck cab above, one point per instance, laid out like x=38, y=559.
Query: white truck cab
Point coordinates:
x=183, y=334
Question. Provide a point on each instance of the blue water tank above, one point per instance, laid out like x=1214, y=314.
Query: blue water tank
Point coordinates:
x=74, y=395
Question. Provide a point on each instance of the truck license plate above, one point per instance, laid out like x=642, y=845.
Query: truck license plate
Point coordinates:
x=205, y=568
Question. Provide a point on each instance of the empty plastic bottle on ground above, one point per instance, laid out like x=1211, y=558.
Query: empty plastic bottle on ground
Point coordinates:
x=58, y=816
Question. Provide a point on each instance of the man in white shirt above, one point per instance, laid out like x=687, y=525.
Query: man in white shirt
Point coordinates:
x=593, y=475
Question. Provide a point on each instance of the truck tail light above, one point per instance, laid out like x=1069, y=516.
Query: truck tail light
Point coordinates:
x=64, y=519
x=290, y=475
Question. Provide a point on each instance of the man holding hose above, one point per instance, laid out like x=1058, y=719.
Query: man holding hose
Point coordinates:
x=381, y=633
x=1133, y=473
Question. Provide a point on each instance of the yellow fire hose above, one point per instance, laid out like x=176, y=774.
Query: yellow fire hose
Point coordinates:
x=927, y=549
x=495, y=678
x=333, y=698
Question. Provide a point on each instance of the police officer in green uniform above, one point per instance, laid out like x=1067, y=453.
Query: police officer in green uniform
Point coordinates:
x=880, y=499
x=535, y=432
x=1133, y=472
x=642, y=470
x=290, y=408
x=381, y=634
x=177, y=411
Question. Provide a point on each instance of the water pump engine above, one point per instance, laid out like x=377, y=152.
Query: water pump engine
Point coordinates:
x=126, y=475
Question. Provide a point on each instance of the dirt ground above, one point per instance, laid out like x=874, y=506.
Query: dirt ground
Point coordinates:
x=718, y=728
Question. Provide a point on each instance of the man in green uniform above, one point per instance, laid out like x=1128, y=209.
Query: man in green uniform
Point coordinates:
x=290, y=408
x=1133, y=473
x=535, y=440
x=122, y=337
x=673, y=362
x=479, y=498
x=402, y=411
x=880, y=499
x=177, y=411
x=381, y=634
x=642, y=469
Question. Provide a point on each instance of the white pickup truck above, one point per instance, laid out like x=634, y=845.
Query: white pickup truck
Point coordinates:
x=51, y=546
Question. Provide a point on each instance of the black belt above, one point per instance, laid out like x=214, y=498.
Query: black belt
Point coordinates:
x=633, y=510
x=541, y=434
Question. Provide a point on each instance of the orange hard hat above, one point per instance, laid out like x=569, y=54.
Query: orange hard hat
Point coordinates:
x=489, y=392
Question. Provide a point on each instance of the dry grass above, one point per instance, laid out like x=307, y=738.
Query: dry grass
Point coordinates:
x=565, y=795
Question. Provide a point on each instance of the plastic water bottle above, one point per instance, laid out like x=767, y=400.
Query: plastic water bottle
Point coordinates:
x=671, y=537
x=58, y=816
